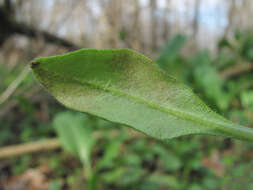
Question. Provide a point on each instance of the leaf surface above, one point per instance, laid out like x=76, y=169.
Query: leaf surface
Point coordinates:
x=126, y=87
x=75, y=134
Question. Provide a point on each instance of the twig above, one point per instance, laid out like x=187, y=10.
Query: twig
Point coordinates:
x=51, y=144
x=32, y=95
x=14, y=85
x=16, y=150
x=236, y=70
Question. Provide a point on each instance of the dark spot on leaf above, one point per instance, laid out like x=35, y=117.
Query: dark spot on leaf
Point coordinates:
x=34, y=64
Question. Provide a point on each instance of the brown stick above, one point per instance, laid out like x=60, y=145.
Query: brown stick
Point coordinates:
x=51, y=144
x=17, y=150
x=236, y=70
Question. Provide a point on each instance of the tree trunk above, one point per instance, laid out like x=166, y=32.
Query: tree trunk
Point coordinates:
x=166, y=22
x=195, y=25
x=231, y=13
x=9, y=27
x=153, y=7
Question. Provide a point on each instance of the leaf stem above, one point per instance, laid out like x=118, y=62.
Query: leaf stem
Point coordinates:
x=240, y=132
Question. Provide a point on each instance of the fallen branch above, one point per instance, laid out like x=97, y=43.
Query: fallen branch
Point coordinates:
x=51, y=144
x=17, y=150
x=236, y=70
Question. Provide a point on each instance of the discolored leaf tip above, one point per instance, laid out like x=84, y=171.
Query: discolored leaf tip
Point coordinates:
x=34, y=64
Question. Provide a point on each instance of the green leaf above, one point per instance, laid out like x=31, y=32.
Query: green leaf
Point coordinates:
x=163, y=180
x=247, y=98
x=111, y=152
x=170, y=59
x=208, y=80
x=75, y=134
x=126, y=87
x=172, y=50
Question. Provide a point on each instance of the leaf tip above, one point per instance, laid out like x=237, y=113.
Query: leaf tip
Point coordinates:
x=34, y=64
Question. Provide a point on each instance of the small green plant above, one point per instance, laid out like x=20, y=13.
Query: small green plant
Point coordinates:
x=126, y=87
x=75, y=133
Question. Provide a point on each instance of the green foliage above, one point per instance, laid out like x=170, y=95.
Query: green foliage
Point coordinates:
x=138, y=162
x=204, y=72
x=74, y=133
x=126, y=87
x=170, y=57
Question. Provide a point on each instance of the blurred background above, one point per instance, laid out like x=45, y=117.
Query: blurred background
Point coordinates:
x=207, y=44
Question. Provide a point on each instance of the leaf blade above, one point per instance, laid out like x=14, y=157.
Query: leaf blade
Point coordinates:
x=126, y=87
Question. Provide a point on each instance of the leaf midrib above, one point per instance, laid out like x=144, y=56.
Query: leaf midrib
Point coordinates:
x=181, y=115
